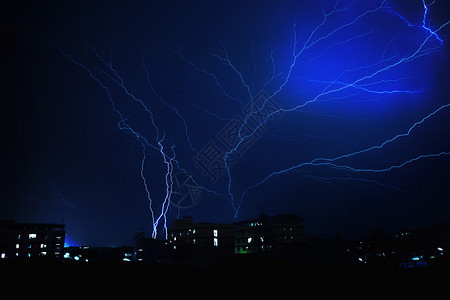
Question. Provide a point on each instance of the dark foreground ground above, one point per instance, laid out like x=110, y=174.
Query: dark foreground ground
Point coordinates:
x=234, y=276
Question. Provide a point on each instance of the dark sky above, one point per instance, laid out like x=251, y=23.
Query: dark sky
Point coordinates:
x=66, y=155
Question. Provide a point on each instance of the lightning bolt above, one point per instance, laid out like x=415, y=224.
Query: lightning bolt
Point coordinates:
x=359, y=84
x=104, y=70
x=363, y=79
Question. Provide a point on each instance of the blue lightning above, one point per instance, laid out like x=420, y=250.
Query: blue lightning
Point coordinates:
x=363, y=79
x=338, y=85
x=424, y=25
x=111, y=73
x=329, y=162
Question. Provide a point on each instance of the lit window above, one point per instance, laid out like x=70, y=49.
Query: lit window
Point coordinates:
x=43, y=246
x=249, y=240
x=17, y=246
x=43, y=253
x=32, y=236
x=215, y=233
x=216, y=242
x=3, y=255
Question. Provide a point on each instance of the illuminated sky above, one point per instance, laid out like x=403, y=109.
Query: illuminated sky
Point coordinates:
x=106, y=103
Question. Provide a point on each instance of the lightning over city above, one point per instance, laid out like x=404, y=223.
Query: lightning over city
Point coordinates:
x=145, y=113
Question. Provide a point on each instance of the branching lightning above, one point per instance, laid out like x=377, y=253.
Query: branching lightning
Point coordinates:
x=360, y=83
x=364, y=79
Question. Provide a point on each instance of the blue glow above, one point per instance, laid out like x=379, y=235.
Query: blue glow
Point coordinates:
x=383, y=75
x=340, y=59
x=69, y=242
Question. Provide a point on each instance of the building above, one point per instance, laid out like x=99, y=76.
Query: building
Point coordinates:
x=19, y=241
x=98, y=254
x=185, y=233
x=266, y=233
x=148, y=249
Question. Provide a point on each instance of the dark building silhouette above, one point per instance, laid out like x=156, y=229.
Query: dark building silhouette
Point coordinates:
x=267, y=233
x=149, y=249
x=249, y=236
x=406, y=248
x=21, y=241
x=201, y=235
x=98, y=254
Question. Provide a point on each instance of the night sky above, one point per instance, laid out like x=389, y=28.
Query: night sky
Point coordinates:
x=106, y=102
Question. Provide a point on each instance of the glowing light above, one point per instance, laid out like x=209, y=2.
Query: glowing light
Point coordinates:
x=371, y=77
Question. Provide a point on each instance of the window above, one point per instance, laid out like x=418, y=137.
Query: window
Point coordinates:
x=216, y=242
x=215, y=232
x=32, y=236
